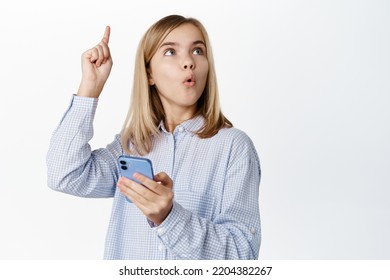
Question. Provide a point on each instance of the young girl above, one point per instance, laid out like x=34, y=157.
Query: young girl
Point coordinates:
x=203, y=202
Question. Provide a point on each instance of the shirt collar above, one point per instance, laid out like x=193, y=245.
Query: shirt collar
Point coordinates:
x=193, y=125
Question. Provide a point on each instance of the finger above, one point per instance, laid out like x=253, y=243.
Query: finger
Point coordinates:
x=145, y=206
x=106, y=36
x=137, y=192
x=141, y=190
x=149, y=183
x=125, y=181
x=129, y=183
x=131, y=194
x=100, y=59
x=106, y=52
x=92, y=55
x=164, y=179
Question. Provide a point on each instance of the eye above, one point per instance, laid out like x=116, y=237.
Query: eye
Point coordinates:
x=198, y=51
x=169, y=52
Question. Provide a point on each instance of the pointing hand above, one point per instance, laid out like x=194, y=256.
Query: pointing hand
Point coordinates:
x=96, y=67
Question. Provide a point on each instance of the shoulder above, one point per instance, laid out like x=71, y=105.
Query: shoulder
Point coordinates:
x=238, y=141
x=234, y=135
x=240, y=145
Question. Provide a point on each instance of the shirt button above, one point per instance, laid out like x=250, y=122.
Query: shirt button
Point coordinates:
x=161, y=247
x=181, y=129
x=253, y=231
x=161, y=231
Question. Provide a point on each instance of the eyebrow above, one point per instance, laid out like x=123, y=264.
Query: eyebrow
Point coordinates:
x=176, y=44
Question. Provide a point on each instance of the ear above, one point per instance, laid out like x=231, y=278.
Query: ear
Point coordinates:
x=150, y=78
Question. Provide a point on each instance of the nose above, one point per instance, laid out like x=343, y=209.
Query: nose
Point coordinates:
x=188, y=64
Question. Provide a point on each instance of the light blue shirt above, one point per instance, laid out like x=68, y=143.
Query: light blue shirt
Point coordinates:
x=215, y=212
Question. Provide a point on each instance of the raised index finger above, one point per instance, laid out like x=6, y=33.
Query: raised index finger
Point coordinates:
x=106, y=37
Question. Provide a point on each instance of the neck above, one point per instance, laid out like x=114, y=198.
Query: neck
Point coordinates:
x=173, y=120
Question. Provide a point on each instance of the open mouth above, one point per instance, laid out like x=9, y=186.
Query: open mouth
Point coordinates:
x=189, y=81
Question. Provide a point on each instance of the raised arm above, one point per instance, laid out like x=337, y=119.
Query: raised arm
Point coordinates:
x=72, y=166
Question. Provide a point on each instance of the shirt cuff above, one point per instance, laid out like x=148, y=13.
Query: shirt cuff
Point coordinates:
x=84, y=101
x=174, y=223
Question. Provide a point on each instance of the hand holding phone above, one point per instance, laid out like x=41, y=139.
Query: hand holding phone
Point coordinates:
x=128, y=165
x=159, y=192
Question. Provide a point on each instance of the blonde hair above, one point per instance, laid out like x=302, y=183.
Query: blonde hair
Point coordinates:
x=146, y=110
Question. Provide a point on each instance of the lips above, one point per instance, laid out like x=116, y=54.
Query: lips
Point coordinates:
x=189, y=81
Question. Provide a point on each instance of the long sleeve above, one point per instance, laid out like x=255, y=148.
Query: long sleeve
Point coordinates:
x=215, y=214
x=235, y=233
x=71, y=165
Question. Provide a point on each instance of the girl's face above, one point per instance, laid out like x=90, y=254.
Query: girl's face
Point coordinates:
x=179, y=69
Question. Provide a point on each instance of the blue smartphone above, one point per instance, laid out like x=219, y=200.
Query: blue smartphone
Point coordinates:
x=129, y=165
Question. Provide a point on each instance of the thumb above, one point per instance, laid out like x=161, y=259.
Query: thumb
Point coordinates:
x=164, y=179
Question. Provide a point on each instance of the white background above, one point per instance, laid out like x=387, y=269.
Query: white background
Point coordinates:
x=308, y=81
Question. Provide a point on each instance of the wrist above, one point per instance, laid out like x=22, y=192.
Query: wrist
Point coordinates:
x=87, y=89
